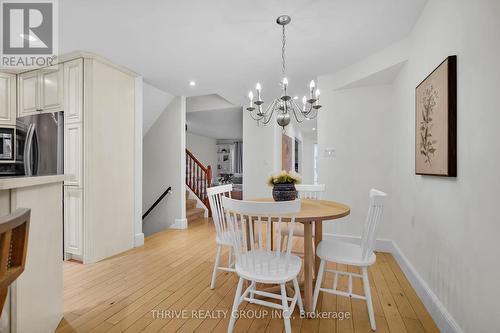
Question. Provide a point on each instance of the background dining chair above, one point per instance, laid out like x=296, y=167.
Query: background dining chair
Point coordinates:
x=222, y=238
x=305, y=191
x=353, y=254
x=14, y=232
x=256, y=261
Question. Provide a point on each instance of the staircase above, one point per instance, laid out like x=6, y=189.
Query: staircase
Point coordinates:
x=198, y=179
x=193, y=213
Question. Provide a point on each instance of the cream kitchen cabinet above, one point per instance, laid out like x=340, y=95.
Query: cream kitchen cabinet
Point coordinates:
x=27, y=88
x=7, y=99
x=73, y=91
x=73, y=153
x=99, y=111
x=41, y=91
x=73, y=221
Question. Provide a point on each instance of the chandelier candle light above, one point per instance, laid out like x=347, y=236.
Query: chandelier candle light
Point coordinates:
x=284, y=105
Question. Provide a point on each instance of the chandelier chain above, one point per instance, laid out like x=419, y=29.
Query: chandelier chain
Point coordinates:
x=283, y=52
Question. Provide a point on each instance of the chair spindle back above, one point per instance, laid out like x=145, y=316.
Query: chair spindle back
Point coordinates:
x=251, y=229
x=215, y=195
x=372, y=222
x=310, y=191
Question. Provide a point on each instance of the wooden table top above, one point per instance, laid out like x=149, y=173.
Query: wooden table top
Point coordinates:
x=317, y=210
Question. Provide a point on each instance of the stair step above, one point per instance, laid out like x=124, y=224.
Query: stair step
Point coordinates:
x=194, y=214
x=190, y=203
x=195, y=211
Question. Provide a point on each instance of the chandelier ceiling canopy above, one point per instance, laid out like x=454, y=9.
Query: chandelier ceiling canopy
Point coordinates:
x=284, y=105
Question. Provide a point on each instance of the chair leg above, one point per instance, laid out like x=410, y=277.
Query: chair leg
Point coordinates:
x=216, y=265
x=299, y=298
x=252, y=289
x=368, y=294
x=286, y=311
x=319, y=279
x=230, y=257
x=236, y=304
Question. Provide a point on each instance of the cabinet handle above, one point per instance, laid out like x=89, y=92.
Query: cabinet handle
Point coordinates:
x=39, y=109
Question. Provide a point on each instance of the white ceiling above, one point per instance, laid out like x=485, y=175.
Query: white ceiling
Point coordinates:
x=226, y=45
x=219, y=124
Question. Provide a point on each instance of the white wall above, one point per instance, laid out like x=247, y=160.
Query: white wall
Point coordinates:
x=358, y=131
x=204, y=148
x=307, y=172
x=154, y=102
x=261, y=156
x=164, y=166
x=449, y=228
x=446, y=227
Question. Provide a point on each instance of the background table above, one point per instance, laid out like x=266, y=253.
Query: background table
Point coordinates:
x=314, y=211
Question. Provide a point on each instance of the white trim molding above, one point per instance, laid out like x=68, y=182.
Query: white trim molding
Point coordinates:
x=139, y=240
x=138, y=160
x=179, y=224
x=443, y=319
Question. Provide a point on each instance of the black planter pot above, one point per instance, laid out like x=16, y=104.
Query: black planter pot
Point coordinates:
x=284, y=192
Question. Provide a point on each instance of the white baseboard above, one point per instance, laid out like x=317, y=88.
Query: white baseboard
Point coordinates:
x=139, y=240
x=199, y=203
x=443, y=319
x=179, y=224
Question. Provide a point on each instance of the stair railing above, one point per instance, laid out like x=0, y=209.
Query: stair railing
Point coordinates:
x=198, y=178
x=167, y=191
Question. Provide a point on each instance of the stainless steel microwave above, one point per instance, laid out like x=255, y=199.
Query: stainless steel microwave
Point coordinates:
x=7, y=142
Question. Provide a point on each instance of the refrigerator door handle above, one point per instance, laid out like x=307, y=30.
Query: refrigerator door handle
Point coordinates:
x=27, y=150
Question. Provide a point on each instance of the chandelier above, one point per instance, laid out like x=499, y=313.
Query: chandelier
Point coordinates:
x=284, y=105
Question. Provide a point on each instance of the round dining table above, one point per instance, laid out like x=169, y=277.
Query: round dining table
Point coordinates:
x=313, y=211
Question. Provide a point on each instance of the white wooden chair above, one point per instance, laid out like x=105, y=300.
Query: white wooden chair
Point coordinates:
x=353, y=254
x=256, y=261
x=305, y=191
x=222, y=238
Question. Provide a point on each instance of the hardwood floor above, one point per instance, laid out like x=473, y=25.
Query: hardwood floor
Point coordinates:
x=143, y=289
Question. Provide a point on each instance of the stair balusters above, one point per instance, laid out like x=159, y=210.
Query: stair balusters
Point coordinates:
x=198, y=178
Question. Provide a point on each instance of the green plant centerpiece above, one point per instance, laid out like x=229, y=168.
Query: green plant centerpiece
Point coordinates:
x=283, y=184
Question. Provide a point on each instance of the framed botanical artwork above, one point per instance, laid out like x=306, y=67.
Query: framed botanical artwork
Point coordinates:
x=436, y=121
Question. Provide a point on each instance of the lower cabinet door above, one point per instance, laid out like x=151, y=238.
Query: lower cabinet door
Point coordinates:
x=73, y=220
x=73, y=153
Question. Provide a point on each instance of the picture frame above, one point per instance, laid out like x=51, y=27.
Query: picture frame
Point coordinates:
x=436, y=121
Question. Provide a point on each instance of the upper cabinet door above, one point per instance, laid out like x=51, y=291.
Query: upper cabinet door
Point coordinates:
x=73, y=91
x=51, y=89
x=7, y=99
x=28, y=91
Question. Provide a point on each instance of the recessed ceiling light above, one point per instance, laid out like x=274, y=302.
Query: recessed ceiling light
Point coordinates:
x=314, y=128
x=192, y=83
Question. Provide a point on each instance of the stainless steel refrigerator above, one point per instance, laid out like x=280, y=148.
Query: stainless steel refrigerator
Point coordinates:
x=41, y=143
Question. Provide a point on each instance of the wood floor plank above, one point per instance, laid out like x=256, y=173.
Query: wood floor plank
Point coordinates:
x=391, y=313
x=172, y=271
x=417, y=305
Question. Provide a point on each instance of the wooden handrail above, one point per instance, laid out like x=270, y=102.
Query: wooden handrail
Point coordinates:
x=198, y=178
x=197, y=161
